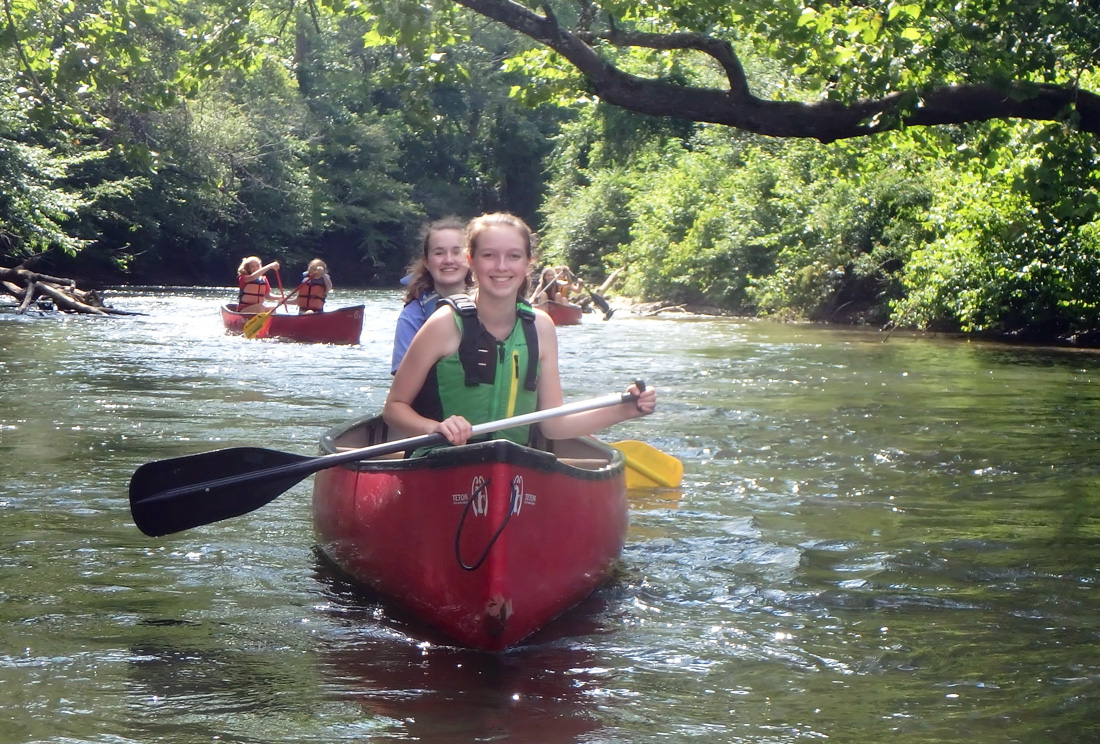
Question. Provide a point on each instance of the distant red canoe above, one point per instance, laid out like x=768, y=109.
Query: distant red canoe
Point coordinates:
x=562, y=314
x=486, y=542
x=343, y=325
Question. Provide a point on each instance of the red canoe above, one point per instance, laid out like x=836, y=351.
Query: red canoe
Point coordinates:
x=343, y=325
x=562, y=314
x=487, y=542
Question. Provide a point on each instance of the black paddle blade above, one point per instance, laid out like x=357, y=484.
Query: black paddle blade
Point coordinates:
x=601, y=302
x=183, y=492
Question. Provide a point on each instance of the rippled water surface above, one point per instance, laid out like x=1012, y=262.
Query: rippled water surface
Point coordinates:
x=876, y=540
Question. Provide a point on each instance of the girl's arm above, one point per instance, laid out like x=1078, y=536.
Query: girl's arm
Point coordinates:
x=550, y=395
x=407, y=326
x=439, y=337
x=263, y=270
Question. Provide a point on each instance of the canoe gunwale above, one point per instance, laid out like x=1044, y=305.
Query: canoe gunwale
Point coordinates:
x=231, y=308
x=490, y=451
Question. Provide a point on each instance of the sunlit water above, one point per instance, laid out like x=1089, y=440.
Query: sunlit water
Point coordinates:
x=877, y=540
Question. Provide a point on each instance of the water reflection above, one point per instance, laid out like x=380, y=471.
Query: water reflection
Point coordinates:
x=424, y=688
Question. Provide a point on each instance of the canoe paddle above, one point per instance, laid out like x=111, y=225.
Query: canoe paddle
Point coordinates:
x=602, y=304
x=257, y=325
x=177, y=494
x=648, y=467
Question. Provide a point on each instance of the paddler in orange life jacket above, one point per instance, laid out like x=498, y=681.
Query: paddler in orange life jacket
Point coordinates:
x=254, y=286
x=315, y=286
x=436, y=389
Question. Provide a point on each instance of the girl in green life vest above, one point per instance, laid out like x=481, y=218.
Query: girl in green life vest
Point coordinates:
x=500, y=251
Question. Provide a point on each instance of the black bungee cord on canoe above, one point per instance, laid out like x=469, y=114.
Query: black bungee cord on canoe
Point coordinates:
x=492, y=541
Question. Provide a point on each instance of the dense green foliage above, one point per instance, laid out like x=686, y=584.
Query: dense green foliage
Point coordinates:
x=1015, y=244
x=168, y=164
x=160, y=142
x=32, y=210
x=990, y=229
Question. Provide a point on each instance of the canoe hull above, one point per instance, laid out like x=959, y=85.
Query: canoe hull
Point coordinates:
x=486, y=543
x=340, y=326
x=562, y=314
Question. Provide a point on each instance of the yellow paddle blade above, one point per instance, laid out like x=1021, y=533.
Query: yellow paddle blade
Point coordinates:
x=648, y=467
x=255, y=324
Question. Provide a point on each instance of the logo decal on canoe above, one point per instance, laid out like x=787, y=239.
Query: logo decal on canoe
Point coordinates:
x=479, y=492
x=479, y=495
x=518, y=497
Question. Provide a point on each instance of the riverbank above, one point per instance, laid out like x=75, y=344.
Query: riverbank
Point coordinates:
x=1088, y=341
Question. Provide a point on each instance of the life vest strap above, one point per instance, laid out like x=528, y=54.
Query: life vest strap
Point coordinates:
x=478, y=365
x=531, y=335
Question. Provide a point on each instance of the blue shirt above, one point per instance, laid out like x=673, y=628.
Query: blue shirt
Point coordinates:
x=410, y=320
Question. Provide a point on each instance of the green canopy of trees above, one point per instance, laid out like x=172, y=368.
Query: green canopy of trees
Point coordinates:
x=922, y=164
x=160, y=142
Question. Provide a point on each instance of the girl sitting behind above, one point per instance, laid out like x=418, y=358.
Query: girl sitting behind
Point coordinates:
x=551, y=287
x=440, y=271
x=315, y=286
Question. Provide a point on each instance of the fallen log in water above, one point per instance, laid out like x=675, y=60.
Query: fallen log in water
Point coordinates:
x=32, y=288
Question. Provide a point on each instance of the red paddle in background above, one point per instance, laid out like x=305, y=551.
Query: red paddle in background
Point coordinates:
x=279, y=281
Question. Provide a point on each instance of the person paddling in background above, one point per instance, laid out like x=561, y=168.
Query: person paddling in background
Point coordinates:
x=568, y=284
x=254, y=286
x=434, y=391
x=441, y=270
x=551, y=287
x=315, y=286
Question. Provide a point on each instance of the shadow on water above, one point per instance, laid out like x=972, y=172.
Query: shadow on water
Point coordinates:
x=426, y=688
x=370, y=672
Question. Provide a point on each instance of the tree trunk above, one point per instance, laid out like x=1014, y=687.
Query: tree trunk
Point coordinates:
x=48, y=292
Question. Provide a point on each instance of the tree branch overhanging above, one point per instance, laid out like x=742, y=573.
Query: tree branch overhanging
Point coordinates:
x=826, y=121
x=720, y=50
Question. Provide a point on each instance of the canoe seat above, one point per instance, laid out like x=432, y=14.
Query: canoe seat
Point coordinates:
x=585, y=463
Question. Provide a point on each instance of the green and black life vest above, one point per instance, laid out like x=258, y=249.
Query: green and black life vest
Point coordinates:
x=487, y=379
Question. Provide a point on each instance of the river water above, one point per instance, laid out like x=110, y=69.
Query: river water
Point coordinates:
x=876, y=540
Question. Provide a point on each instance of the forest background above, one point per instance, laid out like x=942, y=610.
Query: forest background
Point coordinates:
x=159, y=142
